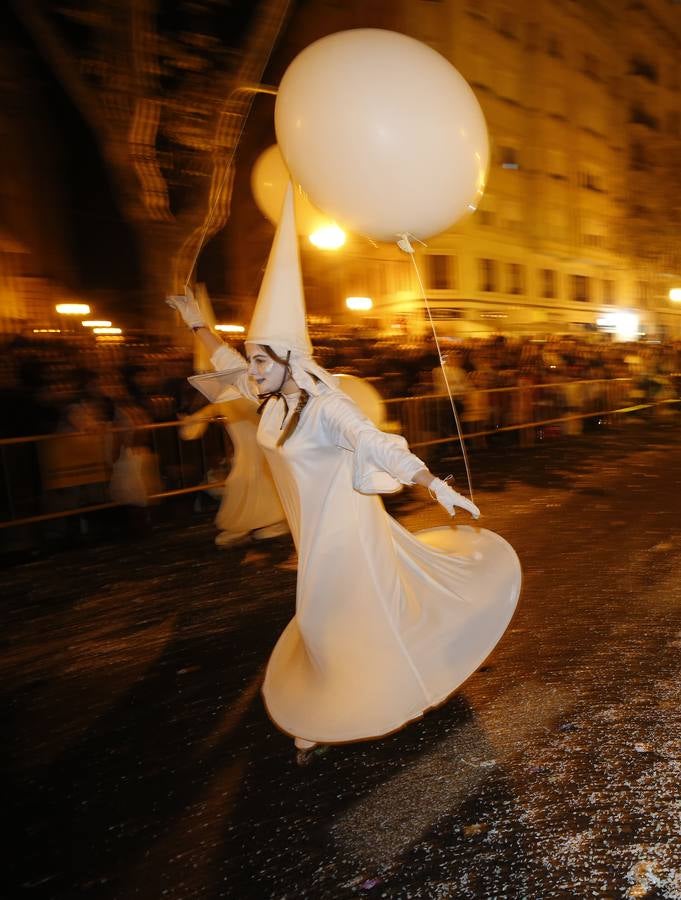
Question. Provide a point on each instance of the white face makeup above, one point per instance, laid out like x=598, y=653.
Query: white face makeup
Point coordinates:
x=266, y=372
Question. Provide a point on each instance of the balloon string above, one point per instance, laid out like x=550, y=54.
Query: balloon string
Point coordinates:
x=210, y=216
x=404, y=244
x=250, y=91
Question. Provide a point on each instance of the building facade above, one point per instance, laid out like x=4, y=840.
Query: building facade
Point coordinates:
x=578, y=222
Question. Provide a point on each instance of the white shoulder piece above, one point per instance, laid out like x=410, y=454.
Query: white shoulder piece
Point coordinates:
x=229, y=382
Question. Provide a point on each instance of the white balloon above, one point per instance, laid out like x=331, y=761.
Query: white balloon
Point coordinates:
x=269, y=180
x=383, y=134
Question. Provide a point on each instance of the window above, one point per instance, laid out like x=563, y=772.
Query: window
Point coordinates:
x=515, y=278
x=443, y=313
x=554, y=101
x=556, y=165
x=403, y=277
x=508, y=158
x=548, y=279
x=608, y=290
x=506, y=84
x=592, y=116
x=479, y=72
x=488, y=275
x=580, y=288
x=637, y=157
x=593, y=239
x=590, y=180
x=590, y=66
x=506, y=25
x=556, y=223
x=487, y=211
x=438, y=271
x=531, y=36
x=643, y=69
x=512, y=215
x=639, y=116
x=477, y=9
x=554, y=47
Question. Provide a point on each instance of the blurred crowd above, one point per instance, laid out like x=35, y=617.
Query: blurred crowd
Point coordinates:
x=51, y=387
x=78, y=429
x=402, y=370
x=83, y=424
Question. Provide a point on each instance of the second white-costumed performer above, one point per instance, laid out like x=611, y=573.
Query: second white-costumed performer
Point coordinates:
x=250, y=507
x=388, y=623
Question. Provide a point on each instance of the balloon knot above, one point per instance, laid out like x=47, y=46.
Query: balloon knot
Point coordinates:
x=405, y=244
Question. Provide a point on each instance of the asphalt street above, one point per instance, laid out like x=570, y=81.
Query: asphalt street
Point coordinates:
x=142, y=764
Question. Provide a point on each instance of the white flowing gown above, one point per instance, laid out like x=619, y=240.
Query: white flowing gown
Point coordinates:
x=250, y=500
x=387, y=623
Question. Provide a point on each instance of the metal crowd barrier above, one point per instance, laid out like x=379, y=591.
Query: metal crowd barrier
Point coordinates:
x=54, y=476
x=561, y=406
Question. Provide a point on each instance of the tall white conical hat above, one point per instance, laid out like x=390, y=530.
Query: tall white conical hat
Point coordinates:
x=279, y=316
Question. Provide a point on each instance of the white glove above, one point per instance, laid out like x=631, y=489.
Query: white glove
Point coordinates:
x=449, y=498
x=188, y=307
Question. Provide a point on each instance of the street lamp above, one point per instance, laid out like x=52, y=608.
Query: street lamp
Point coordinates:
x=73, y=309
x=231, y=329
x=96, y=323
x=106, y=329
x=675, y=294
x=624, y=324
x=359, y=303
x=328, y=237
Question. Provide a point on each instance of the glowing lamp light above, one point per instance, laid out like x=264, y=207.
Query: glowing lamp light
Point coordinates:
x=675, y=294
x=73, y=309
x=359, y=303
x=328, y=237
x=231, y=329
x=47, y=331
x=624, y=324
x=96, y=323
x=105, y=329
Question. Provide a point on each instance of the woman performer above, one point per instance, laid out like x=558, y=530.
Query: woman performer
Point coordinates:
x=387, y=623
x=250, y=507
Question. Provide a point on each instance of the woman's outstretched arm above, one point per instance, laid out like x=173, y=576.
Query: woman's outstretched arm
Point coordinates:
x=224, y=358
x=208, y=338
x=375, y=450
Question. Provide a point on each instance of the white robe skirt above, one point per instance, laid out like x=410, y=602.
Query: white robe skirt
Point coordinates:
x=387, y=623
